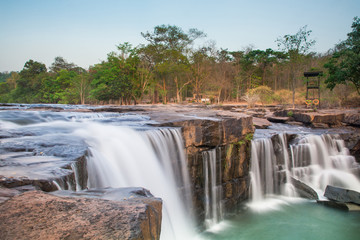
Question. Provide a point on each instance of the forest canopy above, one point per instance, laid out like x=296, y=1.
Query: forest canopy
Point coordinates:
x=172, y=67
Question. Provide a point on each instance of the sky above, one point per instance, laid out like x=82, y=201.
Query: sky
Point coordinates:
x=85, y=31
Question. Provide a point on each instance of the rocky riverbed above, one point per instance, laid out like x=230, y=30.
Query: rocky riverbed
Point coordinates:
x=34, y=157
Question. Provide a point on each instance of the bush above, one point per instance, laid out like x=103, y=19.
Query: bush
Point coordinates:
x=251, y=99
x=264, y=93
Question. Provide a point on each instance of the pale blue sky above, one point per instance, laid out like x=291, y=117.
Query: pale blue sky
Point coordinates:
x=85, y=31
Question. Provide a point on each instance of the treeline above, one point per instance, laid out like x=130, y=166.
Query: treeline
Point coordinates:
x=169, y=68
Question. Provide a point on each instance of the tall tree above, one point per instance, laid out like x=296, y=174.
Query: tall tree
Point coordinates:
x=200, y=65
x=344, y=66
x=170, y=45
x=29, y=83
x=295, y=46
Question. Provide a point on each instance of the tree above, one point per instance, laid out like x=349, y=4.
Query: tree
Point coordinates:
x=200, y=64
x=169, y=46
x=61, y=64
x=295, y=46
x=29, y=83
x=81, y=86
x=344, y=65
x=113, y=79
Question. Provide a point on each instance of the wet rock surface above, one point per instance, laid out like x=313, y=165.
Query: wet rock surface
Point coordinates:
x=38, y=215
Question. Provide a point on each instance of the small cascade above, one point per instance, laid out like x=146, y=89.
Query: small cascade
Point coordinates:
x=123, y=157
x=324, y=160
x=262, y=171
x=213, y=189
x=315, y=160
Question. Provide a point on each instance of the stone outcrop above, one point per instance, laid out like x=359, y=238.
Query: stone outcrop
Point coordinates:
x=38, y=215
x=212, y=133
x=229, y=134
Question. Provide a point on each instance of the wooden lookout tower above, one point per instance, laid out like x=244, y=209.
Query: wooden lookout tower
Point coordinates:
x=313, y=88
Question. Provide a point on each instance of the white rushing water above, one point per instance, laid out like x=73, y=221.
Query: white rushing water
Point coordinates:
x=324, y=160
x=123, y=157
x=212, y=189
x=316, y=160
x=263, y=163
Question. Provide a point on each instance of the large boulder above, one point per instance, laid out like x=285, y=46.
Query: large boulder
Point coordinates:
x=39, y=215
x=304, y=190
x=342, y=195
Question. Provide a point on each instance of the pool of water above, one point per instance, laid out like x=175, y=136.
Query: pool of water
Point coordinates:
x=284, y=219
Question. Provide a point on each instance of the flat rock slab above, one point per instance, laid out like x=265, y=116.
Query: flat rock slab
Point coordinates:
x=261, y=123
x=38, y=215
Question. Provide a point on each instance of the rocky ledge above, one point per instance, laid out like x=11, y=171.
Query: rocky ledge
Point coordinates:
x=131, y=213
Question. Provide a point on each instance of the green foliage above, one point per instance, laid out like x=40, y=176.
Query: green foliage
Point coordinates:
x=249, y=136
x=290, y=113
x=344, y=65
x=113, y=79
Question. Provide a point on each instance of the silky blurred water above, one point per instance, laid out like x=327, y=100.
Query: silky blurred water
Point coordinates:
x=288, y=220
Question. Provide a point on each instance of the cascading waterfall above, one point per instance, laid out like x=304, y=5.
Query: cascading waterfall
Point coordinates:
x=123, y=157
x=262, y=171
x=324, y=160
x=316, y=160
x=212, y=188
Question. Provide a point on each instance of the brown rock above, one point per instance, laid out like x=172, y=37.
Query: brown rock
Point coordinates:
x=214, y=132
x=261, y=123
x=38, y=215
x=352, y=119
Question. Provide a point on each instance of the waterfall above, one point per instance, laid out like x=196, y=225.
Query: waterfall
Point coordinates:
x=262, y=171
x=324, y=160
x=212, y=189
x=316, y=160
x=123, y=157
